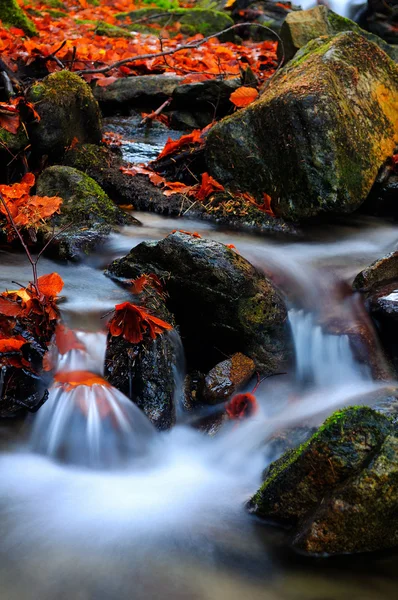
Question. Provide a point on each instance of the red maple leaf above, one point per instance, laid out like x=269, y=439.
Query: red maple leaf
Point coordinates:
x=133, y=323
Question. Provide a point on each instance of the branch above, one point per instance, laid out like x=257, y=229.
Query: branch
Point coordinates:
x=189, y=45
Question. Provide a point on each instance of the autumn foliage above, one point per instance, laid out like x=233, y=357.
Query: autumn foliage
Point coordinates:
x=135, y=324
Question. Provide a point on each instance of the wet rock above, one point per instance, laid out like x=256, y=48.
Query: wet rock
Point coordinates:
x=20, y=390
x=268, y=13
x=226, y=377
x=311, y=150
x=298, y=482
x=68, y=113
x=382, y=304
x=212, y=96
x=380, y=272
x=145, y=372
x=103, y=166
x=221, y=303
x=192, y=20
x=380, y=17
x=300, y=27
x=86, y=208
x=145, y=90
x=361, y=515
x=12, y=14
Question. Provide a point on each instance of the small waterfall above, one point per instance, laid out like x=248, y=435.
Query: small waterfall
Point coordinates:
x=323, y=359
x=85, y=421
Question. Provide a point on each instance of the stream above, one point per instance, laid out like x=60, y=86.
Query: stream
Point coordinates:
x=98, y=508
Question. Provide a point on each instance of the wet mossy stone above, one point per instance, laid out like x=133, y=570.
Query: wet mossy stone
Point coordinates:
x=193, y=20
x=68, y=112
x=300, y=27
x=319, y=133
x=301, y=479
x=361, y=515
x=12, y=14
x=84, y=202
x=221, y=303
x=111, y=31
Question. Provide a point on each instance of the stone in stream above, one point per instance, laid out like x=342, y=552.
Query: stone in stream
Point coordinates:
x=338, y=490
x=300, y=27
x=144, y=91
x=382, y=271
x=68, y=113
x=319, y=133
x=226, y=377
x=146, y=372
x=191, y=20
x=85, y=207
x=221, y=303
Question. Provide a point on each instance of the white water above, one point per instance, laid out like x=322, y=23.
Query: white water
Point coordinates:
x=165, y=516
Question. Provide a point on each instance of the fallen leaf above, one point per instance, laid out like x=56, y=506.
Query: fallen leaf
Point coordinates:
x=243, y=96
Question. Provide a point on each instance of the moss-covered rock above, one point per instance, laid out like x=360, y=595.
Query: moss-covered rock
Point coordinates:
x=68, y=112
x=11, y=142
x=361, y=515
x=298, y=482
x=300, y=27
x=111, y=31
x=221, y=303
x=193, y=20
x=317, y=136
x=86, y=208
x=12, y=14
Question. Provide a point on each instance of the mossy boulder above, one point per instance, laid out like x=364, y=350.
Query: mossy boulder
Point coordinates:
x=12, y=14
x=86, y=208
x=300, y=27
x=111, y=31
x=339, y=489
x=192, y=20
x=221, y=303
x=68, y=112
x=319, y=133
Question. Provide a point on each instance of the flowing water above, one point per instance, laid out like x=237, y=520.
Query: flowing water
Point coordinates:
x=95, y=504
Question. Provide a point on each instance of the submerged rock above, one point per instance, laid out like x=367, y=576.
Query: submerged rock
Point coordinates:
x=68, y=113
x=339, y=489
x=192, y=20
x=302, y=142
x=300, y=27
x=221, y=303
x=86, y=208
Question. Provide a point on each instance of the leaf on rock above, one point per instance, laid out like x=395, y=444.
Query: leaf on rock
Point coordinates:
x=134, y=323
x=243, y=96
x=208, y=186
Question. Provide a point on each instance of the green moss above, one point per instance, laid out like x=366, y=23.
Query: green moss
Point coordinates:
x=111, y=31
x=57, y=14
x=298, y=481
x=12, y=14
x=193, y=20
x=13, y=143
x=59, y=87
x=53, y=3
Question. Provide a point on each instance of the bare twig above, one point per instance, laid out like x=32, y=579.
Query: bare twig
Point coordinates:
x=189, y=45
x=72, y=62
x=155, y=113
x=53, y=56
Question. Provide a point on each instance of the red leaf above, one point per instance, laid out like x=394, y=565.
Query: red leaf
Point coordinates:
x=133, y=323
x=11, y=345
x=195, y=137
x=241, y=406
x=243, y=96
x=207, y=187
x=9, y=308
x=50, y=285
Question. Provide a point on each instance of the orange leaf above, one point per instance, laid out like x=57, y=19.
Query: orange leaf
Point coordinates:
x=9, y=308
x=72, y=379
x=11, y=345
x=176, y=187
x=243, y=96
x=50, y=285
x=195, y=137
x=208, y=186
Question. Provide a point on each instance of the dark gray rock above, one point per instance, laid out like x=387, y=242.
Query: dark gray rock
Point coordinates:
x=226, y=377
x=221, y=303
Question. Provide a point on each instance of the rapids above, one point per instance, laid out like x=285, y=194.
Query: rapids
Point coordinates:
x=98, y=509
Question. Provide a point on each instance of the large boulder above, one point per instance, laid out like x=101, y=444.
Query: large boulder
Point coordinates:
x=12, y=14
x=221, y=303
x=86, y=209
x=68, y=113
x=300, y=27
x=319, y=133
x=339, y=489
